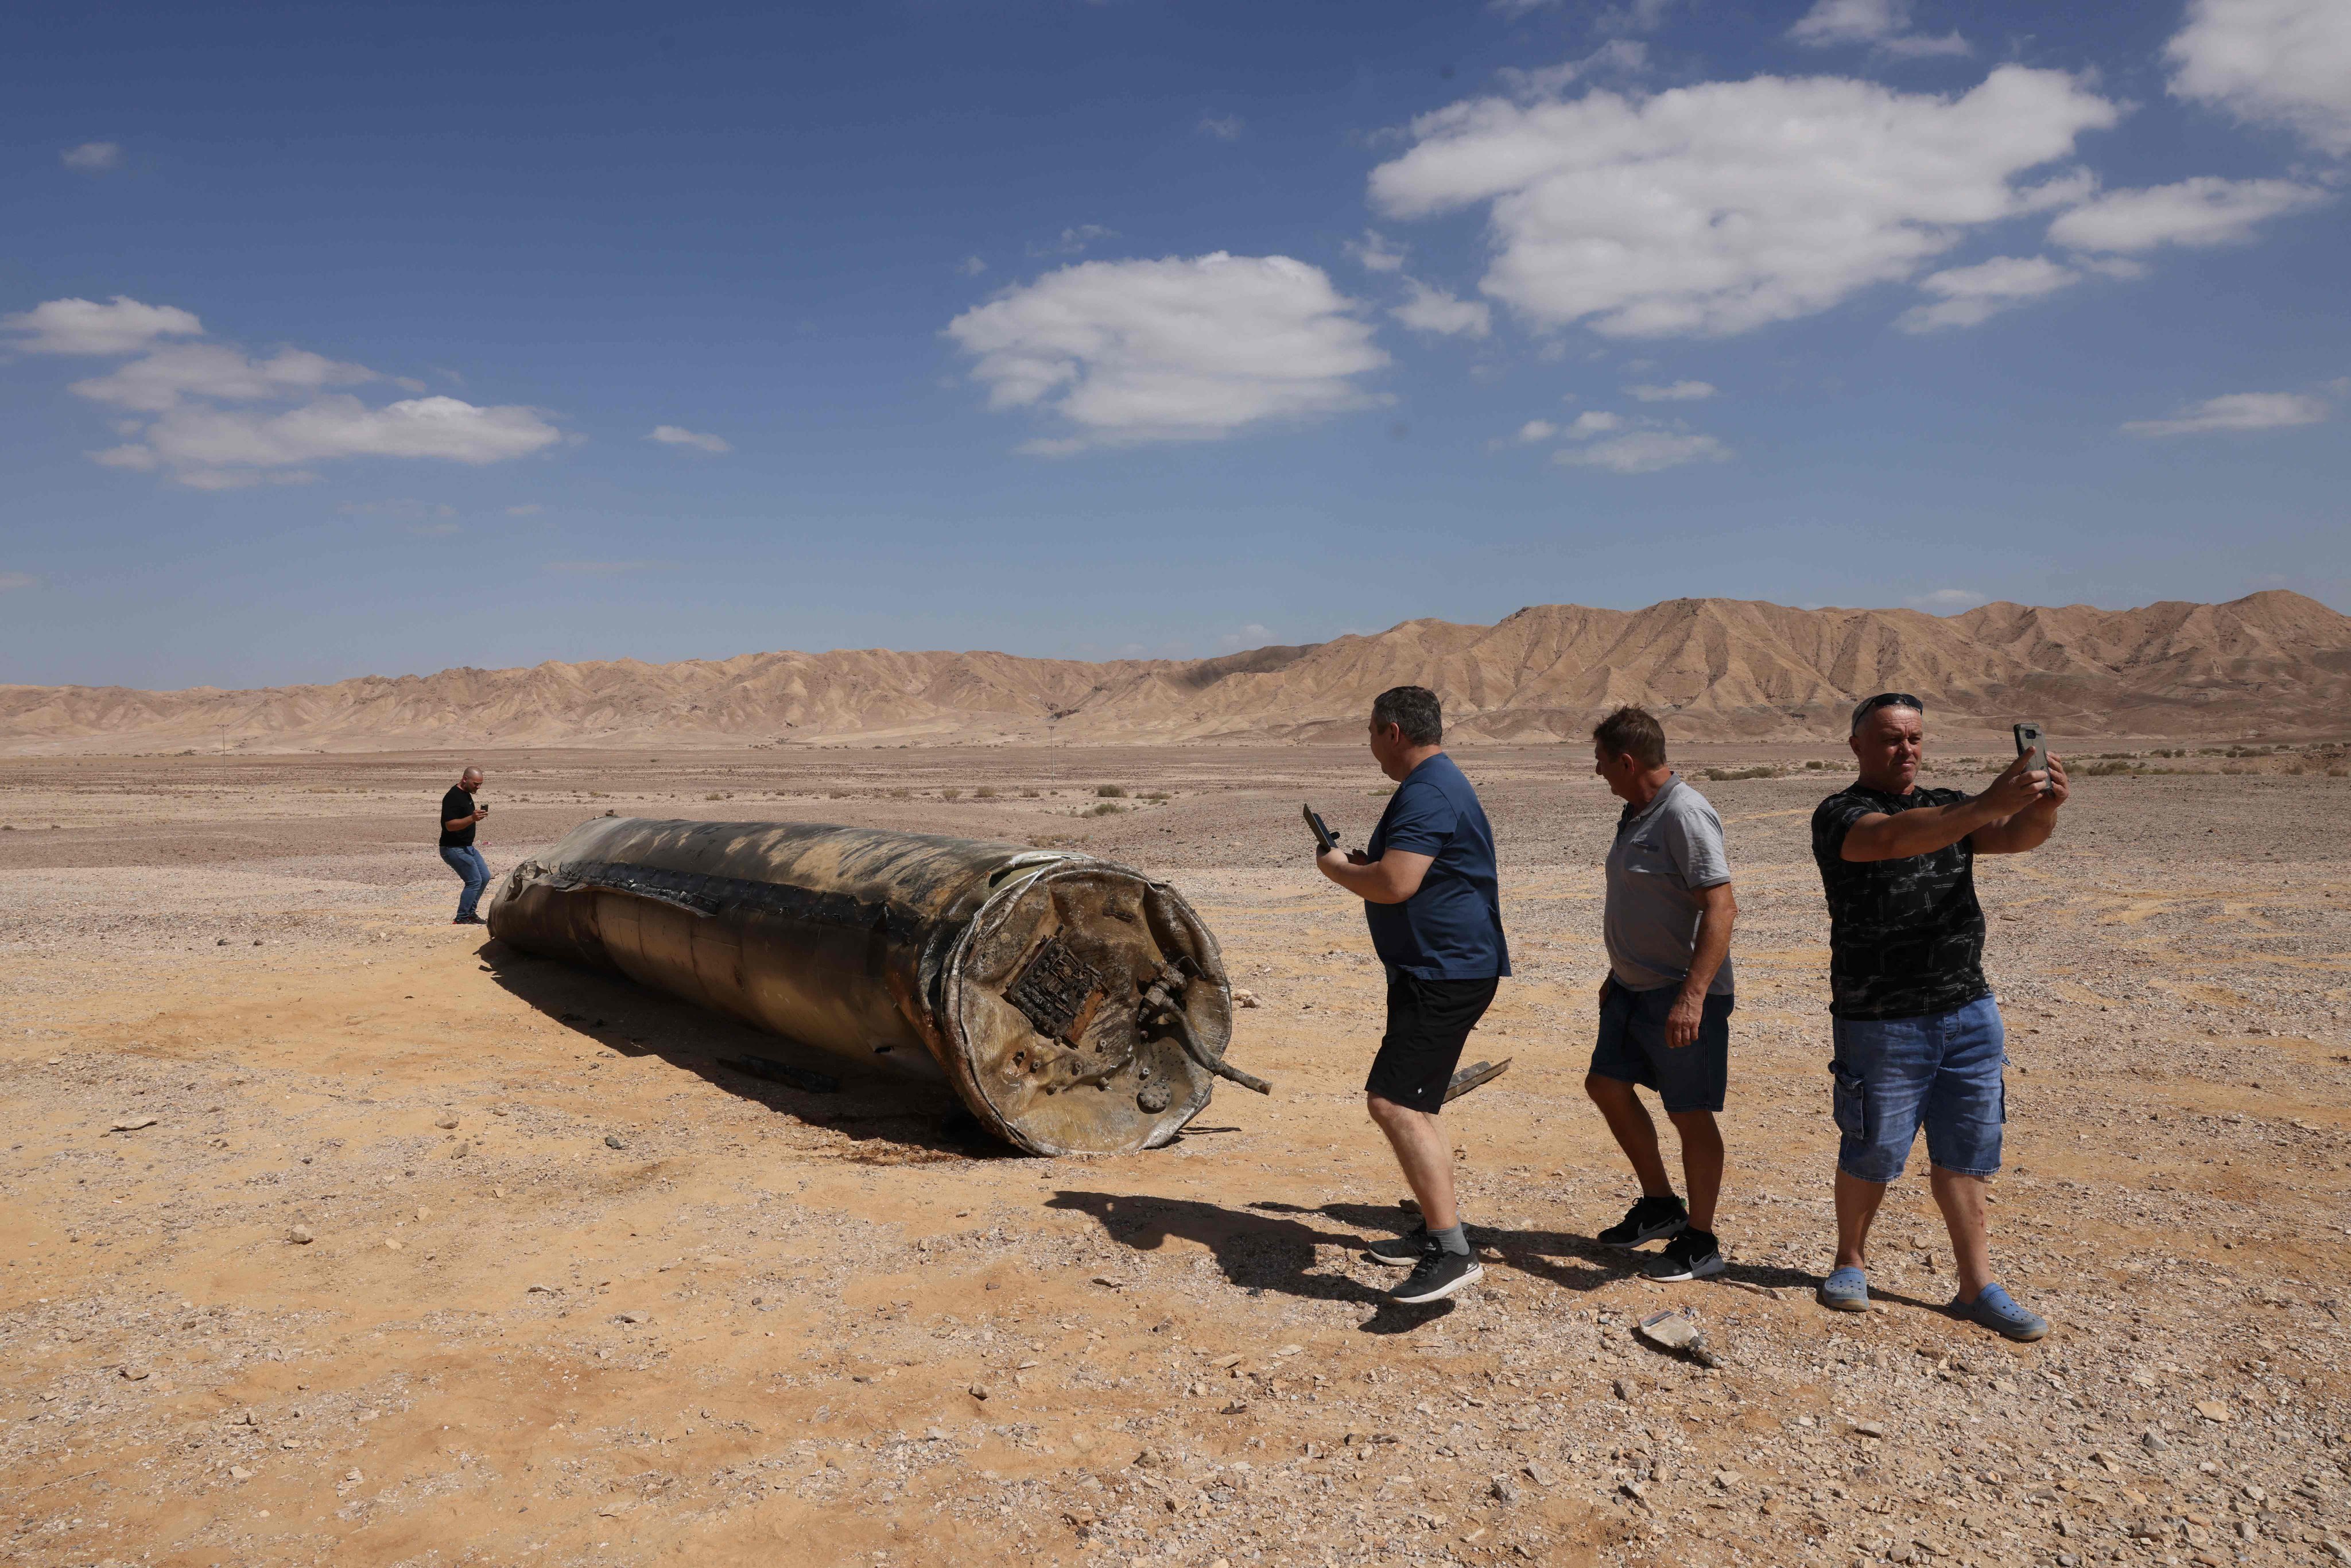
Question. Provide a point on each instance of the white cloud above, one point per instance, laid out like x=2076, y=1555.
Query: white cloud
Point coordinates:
x=1375, y=254
x=1434, y=310
x=1594, y=422
x=1720, y=207
x=1947, y=600
x=1645, y=452
x=1249, y=636
x=1624, y=55
x=2237, y=410
x=1179, y=349
x=160, y=379
x=527, y=509
x=1675, y=392
x=677, y=436
x=2274, y=62
x=2204, y=211
x=9, y=579
x=1881, y=24
x=1073, y=239
x=93, y=157
x=86, y=327
x=971, y=267
x=1969, y=295
x=1538, y=430
x=212, y=448
x=1225, y=127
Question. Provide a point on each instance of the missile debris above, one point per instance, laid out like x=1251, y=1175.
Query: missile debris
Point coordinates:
x=1073, y=1005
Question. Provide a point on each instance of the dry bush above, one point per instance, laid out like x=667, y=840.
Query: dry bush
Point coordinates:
x=1111, y=791
x=1104, y=809
x=985, y=792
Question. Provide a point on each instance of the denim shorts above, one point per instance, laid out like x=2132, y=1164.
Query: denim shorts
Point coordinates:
x=1632, y=1048
x=1941, y=1072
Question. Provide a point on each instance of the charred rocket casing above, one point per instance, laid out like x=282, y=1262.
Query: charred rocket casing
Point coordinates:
x=1076, y=1006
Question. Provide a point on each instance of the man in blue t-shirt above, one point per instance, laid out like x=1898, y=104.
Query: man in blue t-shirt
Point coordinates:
x=1431, y=894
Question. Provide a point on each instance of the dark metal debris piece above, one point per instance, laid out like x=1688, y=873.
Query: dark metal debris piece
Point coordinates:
x=1471, y=1076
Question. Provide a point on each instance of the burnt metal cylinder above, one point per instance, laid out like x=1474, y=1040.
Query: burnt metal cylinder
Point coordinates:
x=1051, y=990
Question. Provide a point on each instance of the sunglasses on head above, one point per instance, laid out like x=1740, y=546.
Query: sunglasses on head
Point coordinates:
x=1884, y=699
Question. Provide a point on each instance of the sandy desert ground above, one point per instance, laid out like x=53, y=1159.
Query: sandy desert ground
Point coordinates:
x=572, y=1292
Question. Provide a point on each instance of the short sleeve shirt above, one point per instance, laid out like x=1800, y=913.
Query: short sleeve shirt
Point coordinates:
x=1451, y=929
x=1906, y=936
x=1667, y=852
x=457, y=803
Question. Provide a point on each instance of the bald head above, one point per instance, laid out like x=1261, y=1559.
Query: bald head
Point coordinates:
x=1887, y=743
x=471, y=779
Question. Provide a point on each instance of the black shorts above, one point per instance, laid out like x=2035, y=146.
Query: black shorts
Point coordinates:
x=1428, y=1023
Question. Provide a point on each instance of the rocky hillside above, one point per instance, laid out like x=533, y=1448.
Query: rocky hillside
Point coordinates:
x=2275, y=664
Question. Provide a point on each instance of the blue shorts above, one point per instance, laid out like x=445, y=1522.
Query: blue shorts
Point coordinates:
x=1941, y=1072
x=1632, y=1048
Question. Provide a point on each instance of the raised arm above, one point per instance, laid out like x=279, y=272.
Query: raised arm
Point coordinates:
x=1886, y=836
x=2029, y=828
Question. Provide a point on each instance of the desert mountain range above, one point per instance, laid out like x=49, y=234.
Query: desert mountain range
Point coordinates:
x=2275, y=664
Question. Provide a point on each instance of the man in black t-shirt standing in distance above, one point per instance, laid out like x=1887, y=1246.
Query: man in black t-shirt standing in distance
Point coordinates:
x=1431, y=896
x=459, y=816
x=1918, y=1035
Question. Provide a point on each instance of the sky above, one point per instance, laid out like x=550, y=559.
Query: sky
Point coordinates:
x=378, y=339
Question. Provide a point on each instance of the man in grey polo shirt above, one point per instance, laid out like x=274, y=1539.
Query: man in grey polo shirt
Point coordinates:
x=1665, y=1008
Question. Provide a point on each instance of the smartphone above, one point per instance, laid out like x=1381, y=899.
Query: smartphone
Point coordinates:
x=2028, y=744
x=1324, y=839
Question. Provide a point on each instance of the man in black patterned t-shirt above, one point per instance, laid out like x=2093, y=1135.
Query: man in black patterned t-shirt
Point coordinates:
x=1919, y=1037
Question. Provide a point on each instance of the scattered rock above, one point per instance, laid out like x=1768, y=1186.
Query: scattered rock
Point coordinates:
x=299, y=1236
x=2152, y=1440
x=1500, y=1489
x=1536, y=1472
x=633, y=1317
x=1869, y=1428
x=134, y=1373
x=447, y=1122
x=612, y=1140
x=541, y=1290
x=1245, y=999
x=1626, y=1390
x=1237, y=1407
x=239, y=1473
x=979, y=1391
x=132, y=1125
x=391, y=1245
x=459, y=1151
x=2213, y=1410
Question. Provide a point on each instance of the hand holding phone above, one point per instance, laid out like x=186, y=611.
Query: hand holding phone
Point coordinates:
x=1325, y=840
x=2036, y=755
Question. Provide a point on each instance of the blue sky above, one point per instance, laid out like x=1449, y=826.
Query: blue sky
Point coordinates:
x=339, y=337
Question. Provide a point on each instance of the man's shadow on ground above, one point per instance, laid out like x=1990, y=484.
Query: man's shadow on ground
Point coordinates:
x=813, y=1086
x=1271, y=1247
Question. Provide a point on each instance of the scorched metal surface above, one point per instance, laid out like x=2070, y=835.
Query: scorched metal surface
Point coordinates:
x=1052, y=990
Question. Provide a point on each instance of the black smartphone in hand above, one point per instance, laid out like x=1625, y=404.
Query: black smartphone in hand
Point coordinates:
x=1324, y=839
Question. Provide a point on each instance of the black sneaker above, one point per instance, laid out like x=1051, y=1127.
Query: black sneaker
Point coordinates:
x=1692, y=1255
x=469, y=920
x=1646, y=1222
x=1402, y=1250
x=1438, y=1274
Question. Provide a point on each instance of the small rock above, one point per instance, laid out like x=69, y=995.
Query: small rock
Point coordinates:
x=353, y=1476
x=541, y=1290
x=1502, y=1491
x=1726, y=1479
x=1107, y=1281
x=632, y=1318
x=446, y=1122
x=220, y=941
x=1245, y=999
x=135, y=1374
x=979, y=1391
x=299, y=1236
x=132, y=1125
x=239, y=1472
x=1624, y=1390
x=2152, y=1440
x=1869, y=1428
x=390, y=1245
x=2213, y=1410
x=612, y=1140
x=1237, y=1407
x=1536, y=1472
x=459, y=1151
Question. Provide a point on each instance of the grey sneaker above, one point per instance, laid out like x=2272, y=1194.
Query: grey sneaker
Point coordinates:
x=1994, y=1308
x=1438, y=1274
x=1402, y=1250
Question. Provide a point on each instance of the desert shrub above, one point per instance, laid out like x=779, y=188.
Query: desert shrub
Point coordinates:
x=1105, y=809
x=985, y=792
x=1031, y=794
x=1152, y=795
x=950, y=793
x=1111, y=791
x=1720, y=775
x=2338, y=771
x=901, y=794
x=2234, y=768
x=1814, y=765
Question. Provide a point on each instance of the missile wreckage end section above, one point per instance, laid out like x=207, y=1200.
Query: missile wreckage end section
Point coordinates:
x=1074, y=1005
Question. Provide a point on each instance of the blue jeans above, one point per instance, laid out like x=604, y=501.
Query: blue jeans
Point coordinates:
x=466, y=861
x=1941, y=1072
